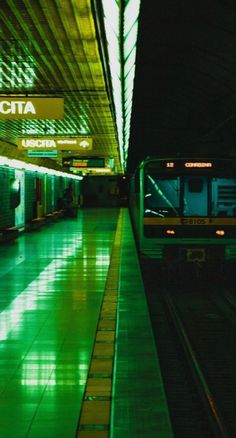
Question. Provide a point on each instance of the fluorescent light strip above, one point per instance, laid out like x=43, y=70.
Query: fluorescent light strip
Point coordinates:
x=130, y=40
x=17, y=164
x=115, y=36
x=131, y=14
x=111, y=22
x=130, y=61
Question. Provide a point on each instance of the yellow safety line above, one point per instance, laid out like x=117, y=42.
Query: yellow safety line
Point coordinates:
x=95, y=413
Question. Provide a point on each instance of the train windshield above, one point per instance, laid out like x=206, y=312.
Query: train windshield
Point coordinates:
x=223, y=197
x=186, y=195
x=162, y=196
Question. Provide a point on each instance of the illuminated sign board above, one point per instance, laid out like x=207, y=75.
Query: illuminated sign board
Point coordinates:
x=42, y=153
x=171, y=164
x=59, y=143
x=31, y=107
x=84, y=163
x=92, y=170
x=198, y=164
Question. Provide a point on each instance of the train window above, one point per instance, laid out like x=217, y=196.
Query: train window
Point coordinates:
x=14, y=193
x=195, y=196
x=162, y=196
x=223, y=197
x=195, y=185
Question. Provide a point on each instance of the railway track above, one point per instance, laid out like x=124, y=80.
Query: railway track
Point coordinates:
x=196, y=356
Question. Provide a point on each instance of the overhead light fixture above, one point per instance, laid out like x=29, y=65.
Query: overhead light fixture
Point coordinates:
x=121, y=41
x=18, y=164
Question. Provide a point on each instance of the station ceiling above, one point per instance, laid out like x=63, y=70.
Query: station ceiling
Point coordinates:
x=185, y=76
x=58, y=48
x=185, y=82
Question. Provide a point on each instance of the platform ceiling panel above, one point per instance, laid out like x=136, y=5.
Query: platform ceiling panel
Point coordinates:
x=50, y=47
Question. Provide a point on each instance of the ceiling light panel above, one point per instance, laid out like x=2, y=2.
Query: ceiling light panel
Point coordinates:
x=51, y=48
x=121, y=26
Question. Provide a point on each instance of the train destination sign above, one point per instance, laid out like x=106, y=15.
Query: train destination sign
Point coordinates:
x=172, y=164
x=31, y=107
x=57, y=143
x=198, y=164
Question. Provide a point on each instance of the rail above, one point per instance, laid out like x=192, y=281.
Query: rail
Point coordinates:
x=218, y=426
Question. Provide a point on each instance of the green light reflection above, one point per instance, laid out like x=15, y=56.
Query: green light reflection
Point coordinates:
x=43, y=369
x=29, y=299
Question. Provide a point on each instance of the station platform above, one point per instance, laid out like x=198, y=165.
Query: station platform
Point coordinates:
x=77, y=354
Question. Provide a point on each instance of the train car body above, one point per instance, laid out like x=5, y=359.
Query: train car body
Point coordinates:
x=32, y=193
x=185, y=209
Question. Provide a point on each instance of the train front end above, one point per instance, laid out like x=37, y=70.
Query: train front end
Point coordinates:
x=188, y=209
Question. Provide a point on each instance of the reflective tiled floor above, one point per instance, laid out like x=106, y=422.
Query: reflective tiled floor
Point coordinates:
x=53, y=283
x=51, y=287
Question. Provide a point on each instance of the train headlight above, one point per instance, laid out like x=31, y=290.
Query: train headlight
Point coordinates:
x=170, y=232
x=220, y=232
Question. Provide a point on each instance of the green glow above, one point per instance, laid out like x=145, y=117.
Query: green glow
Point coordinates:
x=111, y=21
x=17, y=164
x=16, y=73
x=130, y=61
x=111, y=9
x=160, y=192
x=84, y=130
x=128, y=105
x=128, y=95
x=122, y=64
x=129, y=80
x=83, y=126
x=112, y=38
x=51, y=127
x=43, y=369
x=131, y=14
x=113, y=49
x=103, y=259
x=130, y=40
x=29, y=299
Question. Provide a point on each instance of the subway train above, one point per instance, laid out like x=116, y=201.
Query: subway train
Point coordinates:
x=31, y=194
x=184, y=209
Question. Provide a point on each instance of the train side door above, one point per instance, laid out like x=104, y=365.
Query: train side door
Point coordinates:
x=20, y=209
x=195, y=196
